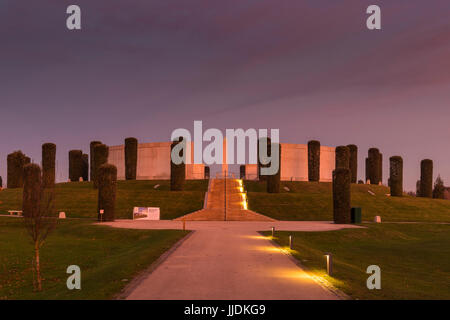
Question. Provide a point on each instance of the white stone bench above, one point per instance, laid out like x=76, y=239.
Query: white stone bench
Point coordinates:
x=15, y=212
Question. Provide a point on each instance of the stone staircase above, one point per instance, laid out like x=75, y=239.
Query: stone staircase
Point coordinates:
x=224, y=206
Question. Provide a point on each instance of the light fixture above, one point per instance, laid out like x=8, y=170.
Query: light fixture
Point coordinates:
x=291, y=242
x=273, y=232
x=329, y=257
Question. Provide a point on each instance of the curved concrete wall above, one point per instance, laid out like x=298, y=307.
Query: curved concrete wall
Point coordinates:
x=153, y=162
x=294, y=163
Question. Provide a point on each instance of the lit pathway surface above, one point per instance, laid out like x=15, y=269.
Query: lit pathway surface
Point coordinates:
x=215, y=207
x=229, y=261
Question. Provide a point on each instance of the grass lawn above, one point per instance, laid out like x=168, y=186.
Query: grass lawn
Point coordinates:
x=314, y=201
x=105, y=255
x=79, y=199
x=414, y=258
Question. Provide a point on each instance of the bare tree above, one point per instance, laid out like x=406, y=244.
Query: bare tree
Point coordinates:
x=39, y=215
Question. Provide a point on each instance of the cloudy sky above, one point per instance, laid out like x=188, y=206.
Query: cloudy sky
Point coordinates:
x=310, y=68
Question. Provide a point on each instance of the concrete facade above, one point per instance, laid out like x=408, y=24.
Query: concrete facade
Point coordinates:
x=154, y=162
x=294, y=163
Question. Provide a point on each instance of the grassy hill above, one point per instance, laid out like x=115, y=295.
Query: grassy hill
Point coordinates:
x=313, y=201
x=79, y=199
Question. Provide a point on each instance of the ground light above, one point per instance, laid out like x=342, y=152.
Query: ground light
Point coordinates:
x=291, y=242
x=273, y=232
x=329, y=258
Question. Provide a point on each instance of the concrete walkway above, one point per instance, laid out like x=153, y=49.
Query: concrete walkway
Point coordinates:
x=229, y=261
x=226, y=258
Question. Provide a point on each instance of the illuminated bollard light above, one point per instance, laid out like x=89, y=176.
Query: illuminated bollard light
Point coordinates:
x=329, y=257
x=273, y=232
x=291, y=242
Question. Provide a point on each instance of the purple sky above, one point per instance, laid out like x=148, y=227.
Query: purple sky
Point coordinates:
x=310, y=68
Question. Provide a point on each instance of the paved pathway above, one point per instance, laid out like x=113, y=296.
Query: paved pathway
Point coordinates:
x=226, y=258
x=229, y=261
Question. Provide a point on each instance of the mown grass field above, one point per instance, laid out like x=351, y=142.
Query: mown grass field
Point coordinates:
x=108, y=258
x=314, y=201
x=79, y=199
x=414, y=258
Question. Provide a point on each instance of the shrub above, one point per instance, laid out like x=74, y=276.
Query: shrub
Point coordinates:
x=131, y=155
x=396, y=176
x=313, y=160
x=342, y=155
x=353, y=162
x=101, y=153
x=341, y=195
x=426, y=178
x=439, y=189
x=85, y=159
x=75, y=165
x=48, y=165
x=177, y=171
x=92, y=169
x=107, y=185
x=15, y=162
x=374, y=165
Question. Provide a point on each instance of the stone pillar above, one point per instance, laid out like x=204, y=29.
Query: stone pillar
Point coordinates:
x=131, y=156
x=342, y=157
x=313, y=160
x=341, y=196
x=353, y=162
x=396, y=176
x=107, y=186
x=426, y=178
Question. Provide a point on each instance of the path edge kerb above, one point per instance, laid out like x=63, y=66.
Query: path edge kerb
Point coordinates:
x=142, y=275
x=322, y=282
